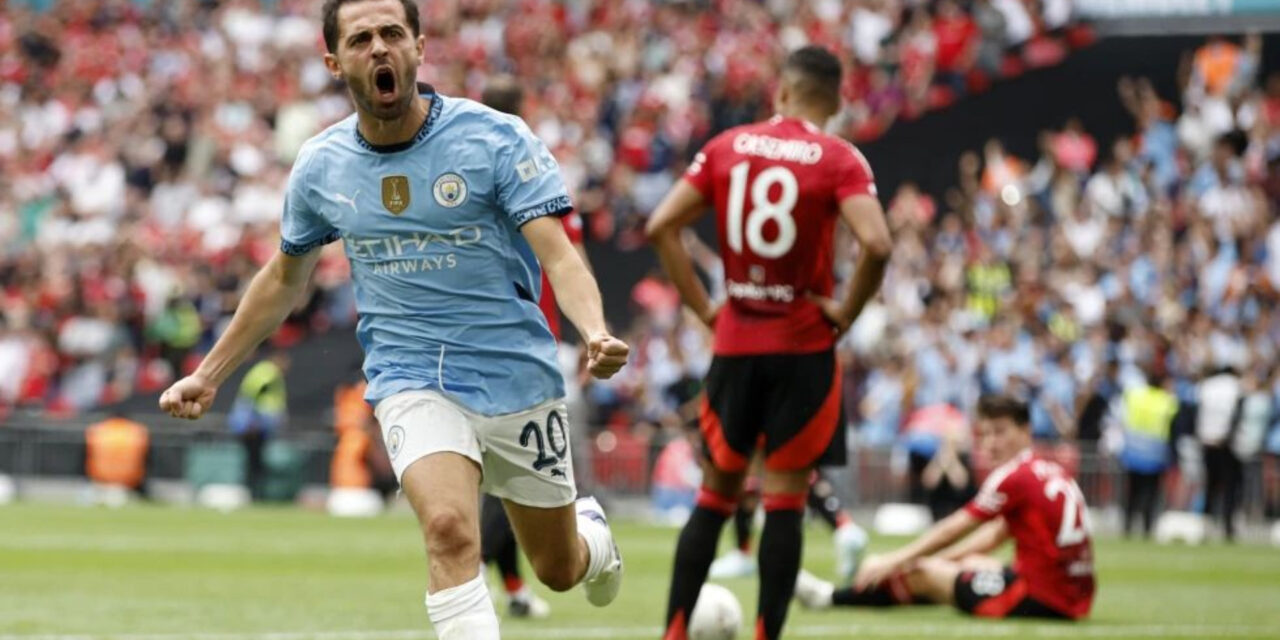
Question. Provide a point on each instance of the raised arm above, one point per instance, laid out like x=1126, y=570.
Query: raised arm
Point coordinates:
x=266, y=303
x=577, y=294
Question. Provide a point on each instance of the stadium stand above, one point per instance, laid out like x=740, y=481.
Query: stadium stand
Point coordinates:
x=143, y=146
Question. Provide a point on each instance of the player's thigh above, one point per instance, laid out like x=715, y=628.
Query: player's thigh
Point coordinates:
x=435, y=453
x=980, y=562
x=547, y=535
x=527, y=458
x=803, y=413
x=934, y=579
x=989, y=593
x=442, y=488
x=730, y=418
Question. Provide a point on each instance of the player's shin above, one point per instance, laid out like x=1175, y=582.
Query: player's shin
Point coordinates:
x=464, y=612
x=780, y=546
x=896, y=590
x=694, y=553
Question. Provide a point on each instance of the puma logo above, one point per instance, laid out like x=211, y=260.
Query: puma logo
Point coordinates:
x=348, y=201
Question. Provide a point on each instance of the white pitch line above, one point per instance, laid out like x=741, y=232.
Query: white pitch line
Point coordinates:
x=959, y=629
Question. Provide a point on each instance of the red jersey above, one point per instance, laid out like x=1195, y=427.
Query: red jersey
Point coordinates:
x=777, y=187
x=1046, y=515
x=573, y=228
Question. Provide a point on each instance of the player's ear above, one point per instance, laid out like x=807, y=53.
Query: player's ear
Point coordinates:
x=331, y=62
x=422, y=45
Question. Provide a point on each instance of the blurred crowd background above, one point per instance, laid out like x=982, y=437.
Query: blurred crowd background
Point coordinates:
x=144, y=148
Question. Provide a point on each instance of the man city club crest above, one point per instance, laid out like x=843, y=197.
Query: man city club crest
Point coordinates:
x=395, y=193
x=450, y=190
x=395, y=440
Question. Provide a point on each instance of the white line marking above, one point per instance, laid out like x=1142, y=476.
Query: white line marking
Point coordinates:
x=957, y=629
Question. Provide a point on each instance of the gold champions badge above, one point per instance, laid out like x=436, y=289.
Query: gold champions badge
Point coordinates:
x=395, y=193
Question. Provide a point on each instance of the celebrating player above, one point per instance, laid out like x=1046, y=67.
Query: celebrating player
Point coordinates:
x=1028, y=499
x=445, y=208
x=777, y=187
x=498, y=545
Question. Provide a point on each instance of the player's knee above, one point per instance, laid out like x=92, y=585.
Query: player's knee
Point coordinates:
x=557, y=575
x=449, y=534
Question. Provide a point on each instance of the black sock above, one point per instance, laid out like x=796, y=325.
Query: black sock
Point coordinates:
x=694, y=553
x=508, y=561
x=498, y=543
x=892, y=592
x=824, y=502
x=780, y=547
x=742, y=518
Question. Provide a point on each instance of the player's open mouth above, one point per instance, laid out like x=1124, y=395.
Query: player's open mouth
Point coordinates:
x=384, y=80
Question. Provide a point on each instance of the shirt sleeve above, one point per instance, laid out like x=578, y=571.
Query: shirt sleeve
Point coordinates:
x=302, y=228
x=527, y=179
x=699, y=172
x=854, y=177
x=998, y=496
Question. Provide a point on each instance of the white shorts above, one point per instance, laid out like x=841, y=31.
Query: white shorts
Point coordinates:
x=524, y=456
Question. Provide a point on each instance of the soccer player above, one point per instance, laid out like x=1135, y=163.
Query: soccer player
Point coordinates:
x=445, y=209
x=774, y=384
x=1028, y=499
x=498, y=545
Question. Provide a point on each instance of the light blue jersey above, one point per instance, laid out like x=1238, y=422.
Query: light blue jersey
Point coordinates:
x=446, y=286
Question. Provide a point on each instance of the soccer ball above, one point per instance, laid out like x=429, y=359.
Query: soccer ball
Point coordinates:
x=717, y=616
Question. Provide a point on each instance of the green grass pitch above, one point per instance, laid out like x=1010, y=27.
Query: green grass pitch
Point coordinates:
x=164, y=573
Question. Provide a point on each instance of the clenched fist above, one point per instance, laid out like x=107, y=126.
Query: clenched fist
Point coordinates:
x=606, y=355
x=188, y=398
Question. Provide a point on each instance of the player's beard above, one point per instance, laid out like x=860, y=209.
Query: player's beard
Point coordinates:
x=369, y=99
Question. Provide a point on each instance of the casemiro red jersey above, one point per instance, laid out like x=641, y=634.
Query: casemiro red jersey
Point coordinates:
x=1046, y=515
x=777, y=187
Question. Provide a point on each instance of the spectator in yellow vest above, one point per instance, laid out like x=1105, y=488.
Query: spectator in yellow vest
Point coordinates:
x=260, y=410
x=1146, y=418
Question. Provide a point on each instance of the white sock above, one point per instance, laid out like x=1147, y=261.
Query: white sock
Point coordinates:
x=464, y=612
x=599, y=546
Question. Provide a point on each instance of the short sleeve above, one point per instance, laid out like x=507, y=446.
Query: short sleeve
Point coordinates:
x=699, y=172
x=527, y=179
x=998, y=495
x=853, y=174
x=302, y=228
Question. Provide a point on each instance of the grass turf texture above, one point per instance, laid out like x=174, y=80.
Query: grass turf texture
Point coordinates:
x=162, y=573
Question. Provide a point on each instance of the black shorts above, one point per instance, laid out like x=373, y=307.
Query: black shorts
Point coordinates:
x=999, y=594
x=788, y=405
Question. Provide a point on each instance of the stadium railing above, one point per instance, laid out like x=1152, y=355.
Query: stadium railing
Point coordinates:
x=36, y=449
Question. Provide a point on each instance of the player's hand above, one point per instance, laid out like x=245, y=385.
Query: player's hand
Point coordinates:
x=709, y=316
x=606, y=355
x=833, y=313
x=188, y=398
x=876, y=568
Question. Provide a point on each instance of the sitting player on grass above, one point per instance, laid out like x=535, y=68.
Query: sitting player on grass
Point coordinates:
x=1028, y=499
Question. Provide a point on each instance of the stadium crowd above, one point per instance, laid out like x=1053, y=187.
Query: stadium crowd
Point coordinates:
x=144, y=146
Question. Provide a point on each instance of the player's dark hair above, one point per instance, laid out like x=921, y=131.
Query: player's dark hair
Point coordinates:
x=330, y=13
x=996, y=406
x=818, y=74
x=503, y=93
